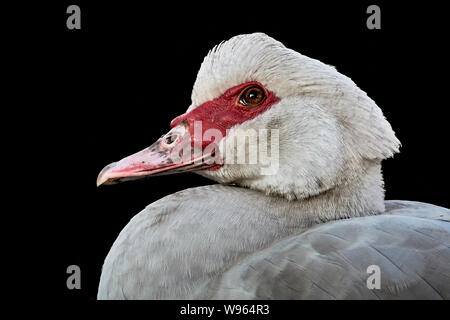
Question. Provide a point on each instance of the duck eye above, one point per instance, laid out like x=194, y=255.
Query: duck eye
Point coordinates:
x=252, y=96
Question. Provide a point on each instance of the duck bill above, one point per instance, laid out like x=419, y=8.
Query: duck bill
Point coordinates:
x=172, y=153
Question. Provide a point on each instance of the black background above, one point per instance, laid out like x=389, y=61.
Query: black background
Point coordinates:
x=111, y=89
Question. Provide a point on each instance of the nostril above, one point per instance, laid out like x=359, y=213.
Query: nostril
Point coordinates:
x=170, y=139
x=173, y=137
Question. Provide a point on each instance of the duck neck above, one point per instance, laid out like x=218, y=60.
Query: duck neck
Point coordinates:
x=360, y=196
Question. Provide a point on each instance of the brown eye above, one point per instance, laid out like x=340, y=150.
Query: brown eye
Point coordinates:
x=252, y=96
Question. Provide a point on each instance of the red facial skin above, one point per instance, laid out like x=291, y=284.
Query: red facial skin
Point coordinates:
x=225, y=111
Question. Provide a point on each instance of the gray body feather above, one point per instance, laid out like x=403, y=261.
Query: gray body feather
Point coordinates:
x=222, y=242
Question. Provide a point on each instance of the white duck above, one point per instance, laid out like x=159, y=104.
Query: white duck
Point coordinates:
x=284, y=235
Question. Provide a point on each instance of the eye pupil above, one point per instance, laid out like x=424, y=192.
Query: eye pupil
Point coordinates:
x=253, y=94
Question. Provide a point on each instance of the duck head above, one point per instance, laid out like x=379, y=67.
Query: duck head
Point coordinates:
x=318, y=130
